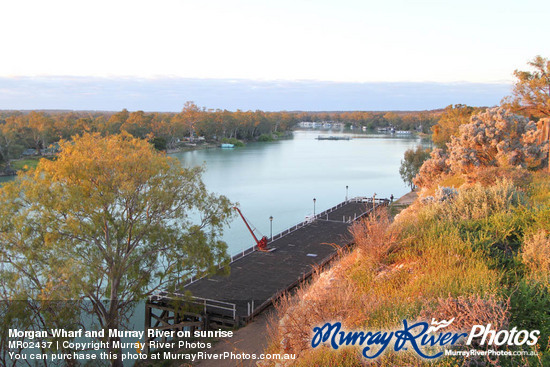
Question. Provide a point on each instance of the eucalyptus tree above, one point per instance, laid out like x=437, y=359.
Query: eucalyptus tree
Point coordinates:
x=108, y=222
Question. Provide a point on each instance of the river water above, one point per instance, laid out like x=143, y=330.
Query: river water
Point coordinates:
x=281, y=178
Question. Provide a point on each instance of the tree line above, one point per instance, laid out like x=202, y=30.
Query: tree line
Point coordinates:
x=37, y=130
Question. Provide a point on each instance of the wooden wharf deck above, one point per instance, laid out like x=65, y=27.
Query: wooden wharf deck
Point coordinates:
x=256, y=277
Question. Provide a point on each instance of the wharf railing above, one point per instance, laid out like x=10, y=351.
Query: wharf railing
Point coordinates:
x=205, y=303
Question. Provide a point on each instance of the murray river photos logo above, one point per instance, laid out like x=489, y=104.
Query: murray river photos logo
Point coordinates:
x=419, y=336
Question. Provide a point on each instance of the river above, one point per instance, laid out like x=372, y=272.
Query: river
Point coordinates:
x=282, y=178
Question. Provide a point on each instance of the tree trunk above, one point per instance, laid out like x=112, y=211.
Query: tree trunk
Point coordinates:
x=112, y=323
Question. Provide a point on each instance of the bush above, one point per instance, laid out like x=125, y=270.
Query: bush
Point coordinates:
x=495, y=138
x=235, y=142
x=433, y=169
x=265, y=137
x=479, y=202
x=469, y=311
x=465, y=257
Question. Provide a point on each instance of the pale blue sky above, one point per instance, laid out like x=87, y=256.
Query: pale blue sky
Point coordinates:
x=345, y=41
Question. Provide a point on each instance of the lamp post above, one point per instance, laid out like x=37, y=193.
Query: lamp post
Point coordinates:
x=346, y=192
x=271, y=227
x=373, y=201
x=314, y=200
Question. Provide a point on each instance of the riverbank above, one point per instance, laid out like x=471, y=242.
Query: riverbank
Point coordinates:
x=476, y=257
x=8, y=174
x=201, y=146
x=31, y=162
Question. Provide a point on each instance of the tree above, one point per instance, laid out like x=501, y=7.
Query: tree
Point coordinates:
x=9, y=146
x=411, y=163
x=531, y=94
x=116, y=121
x=452, y=118
x=543, y=126
x=108, y=222
x=42, y=129
x=190, y=115
x=137, y=124
x=393, y=119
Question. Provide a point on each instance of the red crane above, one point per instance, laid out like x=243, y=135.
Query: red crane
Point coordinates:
x=262, y=244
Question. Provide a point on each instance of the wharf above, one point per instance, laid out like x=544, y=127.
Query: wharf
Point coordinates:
x=257, y=278
x=322, y=137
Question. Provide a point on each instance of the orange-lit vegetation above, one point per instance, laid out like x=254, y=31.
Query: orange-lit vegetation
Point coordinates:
x=474, y=247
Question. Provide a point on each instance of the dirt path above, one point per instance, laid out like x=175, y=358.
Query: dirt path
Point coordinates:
x=407, y=199
x=251, y=339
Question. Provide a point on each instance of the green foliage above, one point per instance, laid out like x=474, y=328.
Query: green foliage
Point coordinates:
x=411, y=163
x=25, y=164
x=479, y=202
x=529, y=308
x=265, y=137
x=233, y=141
x=37, y=130
x=477, y=256
x=536, y=256
x=159, y=143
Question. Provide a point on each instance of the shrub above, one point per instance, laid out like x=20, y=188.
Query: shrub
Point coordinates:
x=433, y=169
x=265, y=137
x=373, y=238
x=468, y=311
x=480, y=202
x=235, y=142
x=529, y=305
x=494, y=138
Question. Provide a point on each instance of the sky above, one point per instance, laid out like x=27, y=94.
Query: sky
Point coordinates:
x=278, y=55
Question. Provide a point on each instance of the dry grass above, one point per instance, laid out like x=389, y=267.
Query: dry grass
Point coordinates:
x=375, y=286
x=536, y=256
x=328, y=298
x=334, y=294
x=373, y=238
